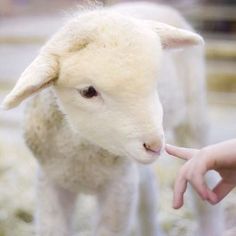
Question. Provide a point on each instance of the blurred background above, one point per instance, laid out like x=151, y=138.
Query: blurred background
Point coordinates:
x=26, y=24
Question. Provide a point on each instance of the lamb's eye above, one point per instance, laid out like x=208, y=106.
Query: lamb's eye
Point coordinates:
x=88, y=92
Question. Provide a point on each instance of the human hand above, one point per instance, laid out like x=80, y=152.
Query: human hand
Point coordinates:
x=220, y=157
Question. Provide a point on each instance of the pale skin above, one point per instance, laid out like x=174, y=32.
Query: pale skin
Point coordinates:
x=220, y=157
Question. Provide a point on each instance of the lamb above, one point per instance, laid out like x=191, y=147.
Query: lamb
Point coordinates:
x=101, y=84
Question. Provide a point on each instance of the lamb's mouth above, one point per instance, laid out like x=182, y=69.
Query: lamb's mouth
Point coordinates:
x=147, y=159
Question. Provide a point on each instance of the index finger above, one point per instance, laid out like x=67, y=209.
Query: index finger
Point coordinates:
x=183, y=153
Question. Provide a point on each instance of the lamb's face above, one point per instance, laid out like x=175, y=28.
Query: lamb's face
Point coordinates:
x=108, y=91
x=104, y=68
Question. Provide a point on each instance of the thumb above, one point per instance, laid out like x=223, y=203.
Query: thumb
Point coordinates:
x=222, y=189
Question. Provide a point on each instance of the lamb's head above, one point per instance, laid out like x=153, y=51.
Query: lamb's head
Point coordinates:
x=104, y=70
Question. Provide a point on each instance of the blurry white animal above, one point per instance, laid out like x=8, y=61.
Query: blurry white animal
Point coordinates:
x=100, y=113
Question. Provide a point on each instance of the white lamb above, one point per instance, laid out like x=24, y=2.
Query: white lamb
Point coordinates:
x=99, y=114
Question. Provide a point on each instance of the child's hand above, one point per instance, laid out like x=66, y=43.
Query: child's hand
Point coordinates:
x=220, y=157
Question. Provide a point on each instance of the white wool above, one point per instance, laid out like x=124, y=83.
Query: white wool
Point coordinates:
x=93, y=145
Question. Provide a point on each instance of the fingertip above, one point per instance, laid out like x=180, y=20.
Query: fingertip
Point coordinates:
x=213, y=200
x=177, y=205
x=178, y=201
x=168, y=148
x=180, y=152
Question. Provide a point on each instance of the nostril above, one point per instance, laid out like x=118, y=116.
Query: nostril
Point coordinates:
x=146, y=146
x=152, y=147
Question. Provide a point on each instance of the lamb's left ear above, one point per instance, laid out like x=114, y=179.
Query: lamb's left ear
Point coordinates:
x=38, y=75
x=173, y=38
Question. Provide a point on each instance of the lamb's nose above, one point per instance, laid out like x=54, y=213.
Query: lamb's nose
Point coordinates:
x=153, y=146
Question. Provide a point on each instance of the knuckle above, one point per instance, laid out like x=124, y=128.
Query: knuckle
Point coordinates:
x=204, y=152
x=182, y=172
x=189, y=176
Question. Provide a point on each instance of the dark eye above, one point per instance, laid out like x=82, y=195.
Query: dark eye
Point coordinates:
x=88, y=92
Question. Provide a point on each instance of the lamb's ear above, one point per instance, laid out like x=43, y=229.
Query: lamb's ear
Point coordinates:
x=39, y=74
x=173, y=38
